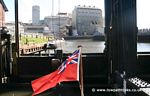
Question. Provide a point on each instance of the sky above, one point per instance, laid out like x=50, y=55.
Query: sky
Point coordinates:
x=25, y=9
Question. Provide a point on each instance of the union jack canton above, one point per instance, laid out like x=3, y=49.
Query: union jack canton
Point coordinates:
x=73, y=59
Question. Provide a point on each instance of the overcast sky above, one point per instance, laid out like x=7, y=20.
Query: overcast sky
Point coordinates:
x=25, y=9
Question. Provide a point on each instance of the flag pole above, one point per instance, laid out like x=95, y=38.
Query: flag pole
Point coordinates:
x=81, y=72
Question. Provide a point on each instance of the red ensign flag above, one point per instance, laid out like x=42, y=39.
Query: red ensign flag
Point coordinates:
x=67, y=71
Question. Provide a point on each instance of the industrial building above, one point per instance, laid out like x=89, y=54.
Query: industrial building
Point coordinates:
x=86, y=20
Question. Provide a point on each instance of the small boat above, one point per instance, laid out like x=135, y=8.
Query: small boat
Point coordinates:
x=50, y=45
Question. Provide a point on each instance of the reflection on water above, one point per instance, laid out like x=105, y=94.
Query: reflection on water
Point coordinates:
x=90, y=46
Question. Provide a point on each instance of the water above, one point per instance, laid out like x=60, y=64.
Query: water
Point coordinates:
x=143, y=47
x=90, y=46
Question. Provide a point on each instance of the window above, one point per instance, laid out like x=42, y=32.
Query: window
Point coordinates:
x=47, y=18
x=143, y=26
